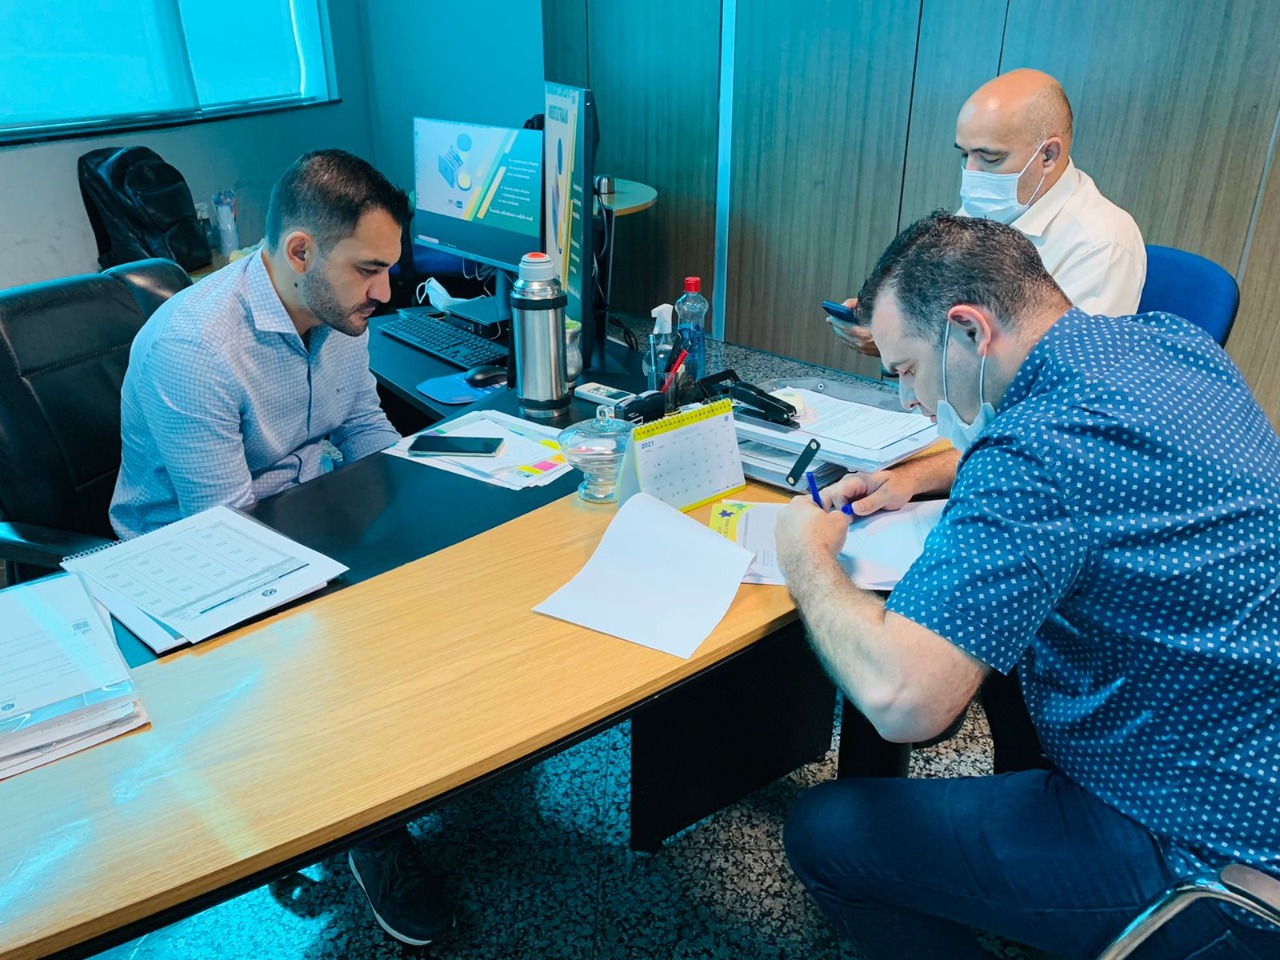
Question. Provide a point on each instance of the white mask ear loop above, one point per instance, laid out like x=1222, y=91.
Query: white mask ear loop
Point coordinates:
x=946, y=338
x=1032, y=199
x=982, y=368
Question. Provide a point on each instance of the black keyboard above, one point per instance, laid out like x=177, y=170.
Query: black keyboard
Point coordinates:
x=442, y=339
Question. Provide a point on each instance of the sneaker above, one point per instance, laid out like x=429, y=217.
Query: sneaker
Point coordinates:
x=407, y=900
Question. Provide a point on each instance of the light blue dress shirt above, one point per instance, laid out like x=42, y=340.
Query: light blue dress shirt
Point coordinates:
x=224, y=404
x=1115, y=534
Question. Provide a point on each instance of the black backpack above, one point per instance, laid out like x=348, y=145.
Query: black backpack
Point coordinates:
x=140, y=207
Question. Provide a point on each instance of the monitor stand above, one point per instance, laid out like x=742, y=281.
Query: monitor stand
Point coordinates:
x=487, y=311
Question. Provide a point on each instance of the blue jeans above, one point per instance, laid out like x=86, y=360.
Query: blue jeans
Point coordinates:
x=910, y=868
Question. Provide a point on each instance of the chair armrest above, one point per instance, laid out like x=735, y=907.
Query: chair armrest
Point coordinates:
x=1253, y=884
x=45, y=547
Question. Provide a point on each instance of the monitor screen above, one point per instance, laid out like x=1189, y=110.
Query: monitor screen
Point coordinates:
x=478, y=190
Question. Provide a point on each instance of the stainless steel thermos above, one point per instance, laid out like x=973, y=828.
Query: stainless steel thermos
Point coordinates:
x=537, y=330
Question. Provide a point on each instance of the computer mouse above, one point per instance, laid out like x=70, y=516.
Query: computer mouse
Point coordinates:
x=485, y=376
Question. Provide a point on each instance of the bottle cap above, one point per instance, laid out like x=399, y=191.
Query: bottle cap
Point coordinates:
x=692, y=284
x=537, y=266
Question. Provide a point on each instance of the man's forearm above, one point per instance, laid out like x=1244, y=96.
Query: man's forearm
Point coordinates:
x=931, y=472
x=847, y=631
x=909, y=682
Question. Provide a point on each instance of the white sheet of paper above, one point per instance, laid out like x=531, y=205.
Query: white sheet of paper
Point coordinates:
x=206, y=573
x=54, y=645
x=876, y=554
x=522, y=444
x=881, y=548
x=857, y=424
x=657, y=578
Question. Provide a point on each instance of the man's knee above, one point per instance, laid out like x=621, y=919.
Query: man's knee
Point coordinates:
x=826, y=829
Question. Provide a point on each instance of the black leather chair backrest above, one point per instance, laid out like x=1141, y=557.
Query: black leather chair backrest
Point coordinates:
x=64, y=349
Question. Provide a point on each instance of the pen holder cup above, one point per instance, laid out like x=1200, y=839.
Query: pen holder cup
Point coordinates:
x=596, y=448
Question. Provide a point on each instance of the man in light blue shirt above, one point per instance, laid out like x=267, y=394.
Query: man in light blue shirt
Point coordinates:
x=1113, y=532
x=235, y=384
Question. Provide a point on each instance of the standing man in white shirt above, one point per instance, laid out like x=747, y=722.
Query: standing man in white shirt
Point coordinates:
x=1014, y=137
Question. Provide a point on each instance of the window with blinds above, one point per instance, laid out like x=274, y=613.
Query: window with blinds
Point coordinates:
x=83, y=66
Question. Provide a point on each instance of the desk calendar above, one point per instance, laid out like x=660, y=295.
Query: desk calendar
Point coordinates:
x=686, y=459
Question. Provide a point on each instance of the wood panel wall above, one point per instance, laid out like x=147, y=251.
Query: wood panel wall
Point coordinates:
x=943, y=81
x=821, y=101
x=1255, y=338
x=1174, y=100
x=655, y=70
x=843, y=124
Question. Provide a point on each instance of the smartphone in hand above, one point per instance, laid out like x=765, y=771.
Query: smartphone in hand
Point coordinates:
x=839, y=311
x=435, y=445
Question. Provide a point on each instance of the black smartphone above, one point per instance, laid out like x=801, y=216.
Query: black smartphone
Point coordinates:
x=839, y=311
x=429, y=445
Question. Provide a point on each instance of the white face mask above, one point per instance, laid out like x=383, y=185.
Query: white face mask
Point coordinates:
x=994, y=196
x=950, y=425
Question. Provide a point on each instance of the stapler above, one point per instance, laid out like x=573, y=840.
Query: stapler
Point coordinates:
x=749, y=399
x=756, y=403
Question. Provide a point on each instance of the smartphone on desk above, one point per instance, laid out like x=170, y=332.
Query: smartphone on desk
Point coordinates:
x=436, y=445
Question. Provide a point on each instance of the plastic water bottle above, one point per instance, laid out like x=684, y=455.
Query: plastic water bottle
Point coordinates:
x=691, y=325
x=224, y=207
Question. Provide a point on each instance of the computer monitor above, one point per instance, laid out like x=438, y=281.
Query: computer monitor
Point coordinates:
x=479, y=195
x=570, y=136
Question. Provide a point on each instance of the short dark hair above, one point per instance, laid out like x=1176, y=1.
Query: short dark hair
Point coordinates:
x=326, y=192
x=943, y=260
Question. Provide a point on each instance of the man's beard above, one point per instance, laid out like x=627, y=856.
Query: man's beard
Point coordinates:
x=319, y=298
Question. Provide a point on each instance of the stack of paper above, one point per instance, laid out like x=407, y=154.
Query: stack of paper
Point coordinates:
x=530, y=456
x=200, y=576
x=854, y=435
x=63, y=684
x=771, y=465
x=876, y=554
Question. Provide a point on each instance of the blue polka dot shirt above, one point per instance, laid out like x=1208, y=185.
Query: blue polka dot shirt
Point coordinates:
x=1114, y=533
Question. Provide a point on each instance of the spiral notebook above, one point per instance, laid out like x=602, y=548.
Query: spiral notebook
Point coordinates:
x=685, y=460
x=200, y=576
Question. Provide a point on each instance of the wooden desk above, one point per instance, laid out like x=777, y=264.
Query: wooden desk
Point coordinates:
x=275, y=744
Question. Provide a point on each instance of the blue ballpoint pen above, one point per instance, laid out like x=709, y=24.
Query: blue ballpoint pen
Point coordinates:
x=813, y=488
x=847, y=510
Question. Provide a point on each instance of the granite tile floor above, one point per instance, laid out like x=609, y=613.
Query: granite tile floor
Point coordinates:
x=539, y=869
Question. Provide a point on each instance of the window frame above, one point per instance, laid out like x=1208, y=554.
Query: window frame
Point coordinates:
x=171, y=119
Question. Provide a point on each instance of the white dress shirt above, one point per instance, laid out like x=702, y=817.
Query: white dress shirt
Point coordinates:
x=1091, y=247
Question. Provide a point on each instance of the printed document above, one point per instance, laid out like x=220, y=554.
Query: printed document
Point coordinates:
x=204, y=574
x=876, y=554
x=63, y=683
x=658, y=578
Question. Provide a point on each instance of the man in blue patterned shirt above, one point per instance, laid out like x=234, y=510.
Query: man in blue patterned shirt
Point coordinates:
x=1114, y=533
x=235, y=384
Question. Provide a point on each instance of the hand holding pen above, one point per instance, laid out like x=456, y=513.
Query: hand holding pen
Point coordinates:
x=847, y=510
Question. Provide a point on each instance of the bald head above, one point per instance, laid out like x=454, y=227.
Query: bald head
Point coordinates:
x=1020, y=121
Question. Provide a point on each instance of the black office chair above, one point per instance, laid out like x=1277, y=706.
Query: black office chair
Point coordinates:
x=66, y=349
